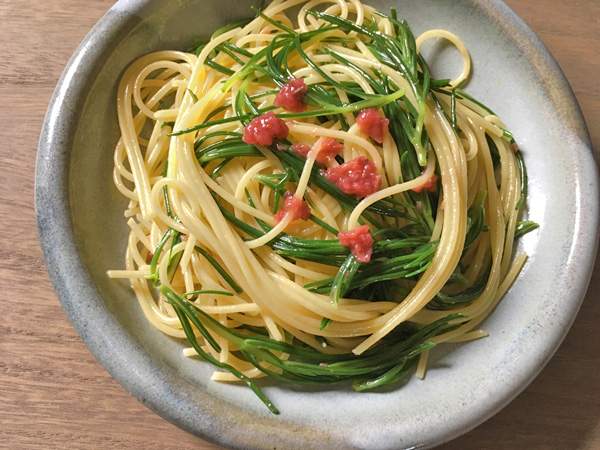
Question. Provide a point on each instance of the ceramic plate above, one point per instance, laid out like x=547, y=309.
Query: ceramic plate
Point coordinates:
x=83, y=234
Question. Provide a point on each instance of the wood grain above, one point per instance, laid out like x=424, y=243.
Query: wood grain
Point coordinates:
x=54, y=395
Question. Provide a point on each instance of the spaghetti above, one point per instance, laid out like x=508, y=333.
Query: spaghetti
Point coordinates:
x=307, y=203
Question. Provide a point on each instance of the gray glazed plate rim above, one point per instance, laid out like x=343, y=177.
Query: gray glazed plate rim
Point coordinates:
x=99, y=329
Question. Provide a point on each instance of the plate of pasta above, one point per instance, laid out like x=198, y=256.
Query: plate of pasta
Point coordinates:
x=318, y=224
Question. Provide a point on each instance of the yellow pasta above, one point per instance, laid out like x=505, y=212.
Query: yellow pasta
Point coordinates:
x=306, y=202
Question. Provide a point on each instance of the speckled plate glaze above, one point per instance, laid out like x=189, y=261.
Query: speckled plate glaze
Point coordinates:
x=83, y=234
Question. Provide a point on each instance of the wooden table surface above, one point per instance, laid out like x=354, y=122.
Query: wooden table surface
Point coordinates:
x=53, y=394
